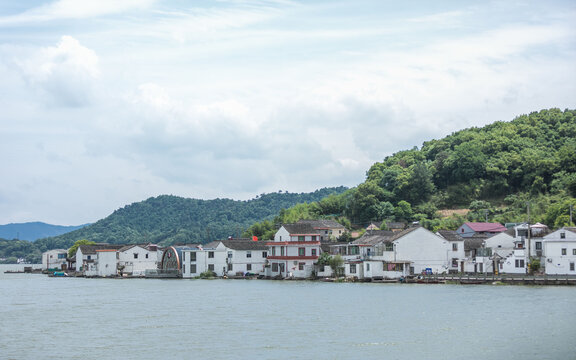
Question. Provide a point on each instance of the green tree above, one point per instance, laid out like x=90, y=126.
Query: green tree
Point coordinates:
x=336, y=263
x=403, y=211
x=74, y=248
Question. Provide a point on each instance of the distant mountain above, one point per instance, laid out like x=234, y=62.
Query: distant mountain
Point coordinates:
x=31, y=231
x=168, y=219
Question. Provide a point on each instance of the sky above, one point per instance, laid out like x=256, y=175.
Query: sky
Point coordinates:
x=105, y=103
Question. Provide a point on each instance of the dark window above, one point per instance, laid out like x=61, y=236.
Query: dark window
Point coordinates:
x=211, y=267
x=273, y=250
x=573, y=251
x=454, y=246
x=248, y=254
x=146, y=256
x=301, y=251
x=538, y=245
x=562, y=235
x=563, y=251
x=135, y=256
x=314, y=238
x=519, y=263
x=264, y=254
x=193, y=257
x=248, y=267
x=571, y=266
x=301, y=238
x=229, y=254
x=313, y=252
x=301, y=266
x=281, y=250
x=193, y=268
x=211, y=255
x=229, y=266
x=274, y=267
x=352, y=268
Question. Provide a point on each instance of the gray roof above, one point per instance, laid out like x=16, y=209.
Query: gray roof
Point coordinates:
x=450, y=235
x=322, y=224
x=242, y=244
x=91, y=249
x=474, y=242
x=374, y=237
x=398, y=235
x=300, y=229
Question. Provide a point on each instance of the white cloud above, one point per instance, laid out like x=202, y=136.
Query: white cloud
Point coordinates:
x=75, y=9
x=65, y=73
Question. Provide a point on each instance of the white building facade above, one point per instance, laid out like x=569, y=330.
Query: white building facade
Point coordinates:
x=560, y=249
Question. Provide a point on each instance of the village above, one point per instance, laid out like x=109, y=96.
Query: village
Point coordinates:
x=303, y=251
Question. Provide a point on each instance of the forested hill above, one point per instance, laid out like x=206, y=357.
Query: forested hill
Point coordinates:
x=495, y=171
x=531, y=158
x=170, y=219
x=34, y=230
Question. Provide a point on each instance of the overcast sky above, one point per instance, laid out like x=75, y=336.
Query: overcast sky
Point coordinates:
x=105, y=103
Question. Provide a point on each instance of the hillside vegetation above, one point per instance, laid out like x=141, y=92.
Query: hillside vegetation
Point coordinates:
x=497, y=172
x=168, y=219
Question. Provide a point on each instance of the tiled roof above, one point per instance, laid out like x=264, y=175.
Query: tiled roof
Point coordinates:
x=402, y=233
x=474, y=242
x=486, y=227
x=374, y=237
x=91, y=249
x=450, y=235
x=322, y=224
x=300, y=228
x=238, y=244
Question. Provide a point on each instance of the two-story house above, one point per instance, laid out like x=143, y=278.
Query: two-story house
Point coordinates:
x=294, y=251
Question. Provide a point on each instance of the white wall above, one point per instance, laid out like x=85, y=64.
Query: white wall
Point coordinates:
x=50, y=259
x=106, y=263
x=146, y=260
x=424, y=249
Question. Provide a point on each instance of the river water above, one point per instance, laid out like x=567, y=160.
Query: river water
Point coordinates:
x=77, y=318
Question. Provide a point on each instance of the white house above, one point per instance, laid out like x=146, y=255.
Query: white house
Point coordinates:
x=329, y=230
x=134, y=260
x=560, y=249
x=54, y=259
x=232, y=257
x=103, y=265
x=294, y=251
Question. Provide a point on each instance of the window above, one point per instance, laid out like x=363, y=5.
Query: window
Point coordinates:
x=389, y=247
x=193, y=268
x=229, y=254
x=538, y=245
x=314, y=252
x=193, y=256
x=273, y=250
x=564, y=251
x=571, y=266
x=89, y=257
x=455, y=263
x=281, y=250
x=314, y=238
x=211, y=267
x=301, y=266
x=146, y=256
x=454, y=246
x=229, y=266
x=248, y=254
x=562, y=235
x=573, y=251
x=210, y=254
x=248, y=267
x=301, y=251
x=367, y=267
x=135, y=255
x=352, y=268
x=301, y=238
x=274, y=267
x=519, y=263
x=183, y=268
x=264, y=254
x=61, y=256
